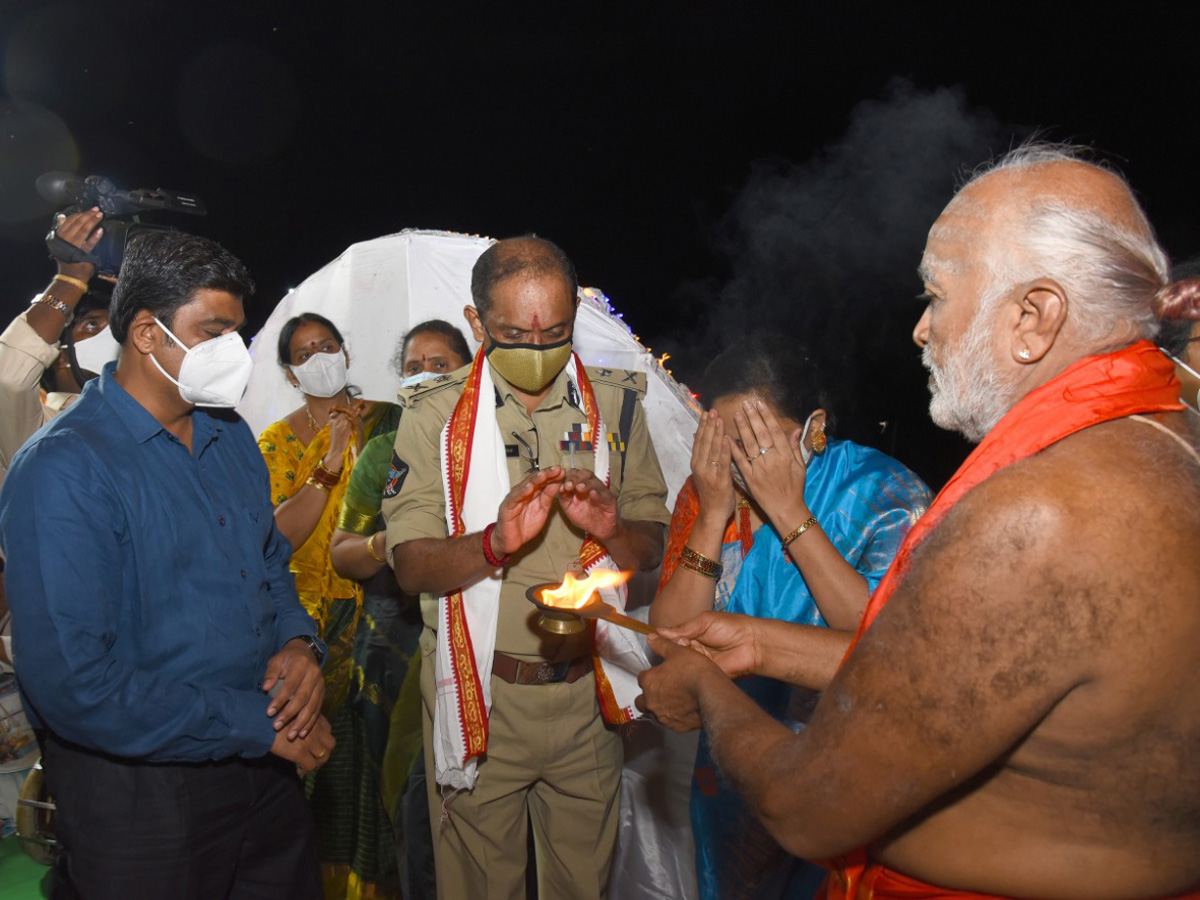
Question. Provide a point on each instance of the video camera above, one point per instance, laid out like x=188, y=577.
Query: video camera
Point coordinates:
x=120, y=208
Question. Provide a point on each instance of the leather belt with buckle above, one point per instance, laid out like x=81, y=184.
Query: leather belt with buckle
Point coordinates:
x=518, y=671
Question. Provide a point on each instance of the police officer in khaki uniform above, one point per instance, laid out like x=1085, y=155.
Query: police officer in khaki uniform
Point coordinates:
x=550, y=759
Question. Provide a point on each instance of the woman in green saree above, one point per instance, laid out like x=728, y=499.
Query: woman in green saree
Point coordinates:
x=386, y=689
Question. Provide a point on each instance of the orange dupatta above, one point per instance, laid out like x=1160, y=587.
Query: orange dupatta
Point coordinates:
x=687, y=509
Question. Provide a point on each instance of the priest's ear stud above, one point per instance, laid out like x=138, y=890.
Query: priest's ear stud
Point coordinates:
x=1024, y=354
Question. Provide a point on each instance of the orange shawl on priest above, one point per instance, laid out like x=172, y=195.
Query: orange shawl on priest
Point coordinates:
x=1096, y=389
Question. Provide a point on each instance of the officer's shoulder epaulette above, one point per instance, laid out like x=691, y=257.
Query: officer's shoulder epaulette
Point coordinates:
x=625, y=379
x=415, y=395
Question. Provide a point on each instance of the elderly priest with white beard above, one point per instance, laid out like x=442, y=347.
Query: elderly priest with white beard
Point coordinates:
x=1019, y=714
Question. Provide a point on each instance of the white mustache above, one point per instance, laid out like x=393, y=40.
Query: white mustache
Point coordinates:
x=932, y=368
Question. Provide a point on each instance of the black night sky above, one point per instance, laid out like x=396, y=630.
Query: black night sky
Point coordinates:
x=711, y=167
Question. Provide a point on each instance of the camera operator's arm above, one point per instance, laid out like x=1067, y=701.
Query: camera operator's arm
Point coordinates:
x=80, y=230
x=30, y=343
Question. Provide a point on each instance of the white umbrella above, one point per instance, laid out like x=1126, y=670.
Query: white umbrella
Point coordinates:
x=378, y=289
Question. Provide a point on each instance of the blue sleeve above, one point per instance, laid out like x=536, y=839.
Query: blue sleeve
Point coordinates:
x=900, y=498
x=69, y=555
x=291, y=619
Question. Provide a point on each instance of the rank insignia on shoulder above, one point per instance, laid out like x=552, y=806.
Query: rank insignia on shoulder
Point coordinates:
x=626, y=379
x=397, y=472
x=408, y=396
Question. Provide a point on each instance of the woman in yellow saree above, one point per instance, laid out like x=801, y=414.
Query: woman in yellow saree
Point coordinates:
x=310, y=454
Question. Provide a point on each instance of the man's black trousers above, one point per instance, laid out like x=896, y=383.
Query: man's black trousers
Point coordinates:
x=236, y=829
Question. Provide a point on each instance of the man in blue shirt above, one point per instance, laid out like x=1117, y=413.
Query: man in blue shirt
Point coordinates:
x=153, y=609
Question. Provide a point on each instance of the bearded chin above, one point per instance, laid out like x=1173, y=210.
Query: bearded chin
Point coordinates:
x=968, y=394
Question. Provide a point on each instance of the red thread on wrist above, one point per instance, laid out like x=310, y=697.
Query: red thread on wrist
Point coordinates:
x=494, y=561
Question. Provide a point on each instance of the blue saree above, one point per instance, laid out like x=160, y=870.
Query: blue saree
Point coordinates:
x=865, y=502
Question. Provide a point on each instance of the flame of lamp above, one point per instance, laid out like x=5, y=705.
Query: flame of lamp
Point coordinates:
x=556, y=620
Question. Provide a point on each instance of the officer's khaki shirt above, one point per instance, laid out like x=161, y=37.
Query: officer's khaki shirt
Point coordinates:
x=417, y=507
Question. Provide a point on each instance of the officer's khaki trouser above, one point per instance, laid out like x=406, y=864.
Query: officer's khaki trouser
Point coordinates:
x=550, y=761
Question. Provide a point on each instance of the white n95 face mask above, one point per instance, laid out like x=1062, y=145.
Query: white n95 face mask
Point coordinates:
x=322, y=374
x=93, y=352
x=414, y=380
x=805, y=454
x=214, y=372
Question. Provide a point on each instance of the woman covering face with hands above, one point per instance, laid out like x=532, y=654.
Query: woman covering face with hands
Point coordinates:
x=777, y=520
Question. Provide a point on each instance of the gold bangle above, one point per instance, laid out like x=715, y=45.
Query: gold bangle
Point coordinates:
x=325, y=476
x=371, y=549
x=54, y=303
x=82, y=285
x=312, y=479
x=700, y=564
x=353, y=520
x=800, y=529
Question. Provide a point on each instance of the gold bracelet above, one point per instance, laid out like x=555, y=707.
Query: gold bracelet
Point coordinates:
x=325, y=476
x=800, y=529
x=54, y=303
x=312, y=479
x=82, y=285
x=700, y=564
x=371, y=549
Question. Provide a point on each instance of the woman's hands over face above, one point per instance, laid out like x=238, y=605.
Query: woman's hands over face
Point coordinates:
x=711, y=460
x=770, y=463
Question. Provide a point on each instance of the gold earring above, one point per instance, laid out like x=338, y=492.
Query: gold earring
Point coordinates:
x=819, y=439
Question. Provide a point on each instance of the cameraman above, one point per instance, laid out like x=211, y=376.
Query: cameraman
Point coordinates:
x=30, y=354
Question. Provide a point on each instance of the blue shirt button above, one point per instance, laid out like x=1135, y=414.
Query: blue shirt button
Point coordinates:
x=221, y=520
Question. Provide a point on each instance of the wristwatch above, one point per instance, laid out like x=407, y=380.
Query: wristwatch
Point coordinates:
x=317, y=648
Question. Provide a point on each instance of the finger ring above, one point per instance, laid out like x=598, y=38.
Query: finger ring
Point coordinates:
x=320, y=755
x=714, y=462
x=763, y=451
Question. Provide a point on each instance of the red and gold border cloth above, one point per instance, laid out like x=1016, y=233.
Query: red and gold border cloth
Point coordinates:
x=876, y=882
x=476, y=481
